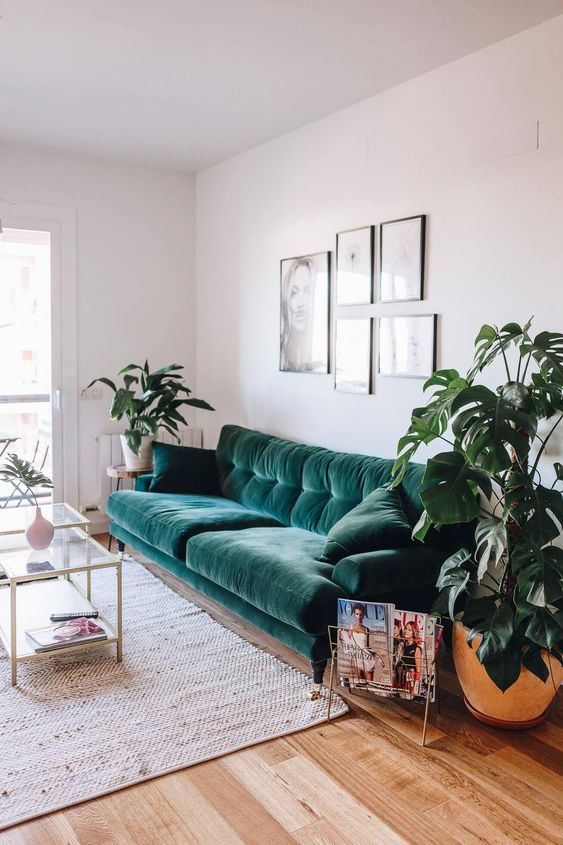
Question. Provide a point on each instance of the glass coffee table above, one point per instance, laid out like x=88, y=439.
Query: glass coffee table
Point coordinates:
x=28, y=596
x=16, y=520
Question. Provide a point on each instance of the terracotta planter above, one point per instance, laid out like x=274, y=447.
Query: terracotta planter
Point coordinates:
x=523, y=705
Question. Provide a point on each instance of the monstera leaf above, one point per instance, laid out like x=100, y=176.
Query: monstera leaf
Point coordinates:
x=489, y=429
x=504, y=668
x=492, y=342
x=537, y=509
x=491, y=539
x=534, y=662
x=449, y=489
x=452, y=582
x=540, y=574
x=545, y=628
x=546, y=397
x=498, y=634
x=547, y=350
x=430, y=422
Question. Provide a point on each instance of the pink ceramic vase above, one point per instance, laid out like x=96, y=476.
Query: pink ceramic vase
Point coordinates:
x=39, y=533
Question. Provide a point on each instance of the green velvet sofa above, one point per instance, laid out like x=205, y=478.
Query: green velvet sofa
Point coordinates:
x=255, y=545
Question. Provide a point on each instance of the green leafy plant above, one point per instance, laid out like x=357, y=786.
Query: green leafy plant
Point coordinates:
x=150, y=401
x=22, y=472
x=490, y=473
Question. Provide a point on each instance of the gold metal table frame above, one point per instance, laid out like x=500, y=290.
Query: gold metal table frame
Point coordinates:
x=9, y=628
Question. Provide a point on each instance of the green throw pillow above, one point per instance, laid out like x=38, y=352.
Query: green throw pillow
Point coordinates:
x=378, y=522
x=181, y=469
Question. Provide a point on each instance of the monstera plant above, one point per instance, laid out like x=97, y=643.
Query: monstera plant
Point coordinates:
x=149, y=401
x=492, y=472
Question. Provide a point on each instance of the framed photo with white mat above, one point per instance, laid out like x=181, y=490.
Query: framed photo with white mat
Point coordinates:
x=353, y=353
x=407, y=345
x=401, y=259
x=354, y=266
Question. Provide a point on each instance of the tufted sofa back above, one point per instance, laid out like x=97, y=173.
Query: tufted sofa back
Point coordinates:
x=304, y=486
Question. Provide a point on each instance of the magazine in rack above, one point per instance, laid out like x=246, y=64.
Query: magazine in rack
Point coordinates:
x=364, y=639
x=385, y=650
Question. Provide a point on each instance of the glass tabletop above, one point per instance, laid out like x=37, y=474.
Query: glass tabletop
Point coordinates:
x=71, y=547
x=16, y=520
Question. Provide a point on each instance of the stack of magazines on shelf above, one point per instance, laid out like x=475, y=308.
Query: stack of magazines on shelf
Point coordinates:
x=387, y=651
x=63, y=634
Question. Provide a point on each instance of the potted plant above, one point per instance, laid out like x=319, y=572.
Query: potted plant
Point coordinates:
x=22, y=473
x=149, y=401
x=508, y=636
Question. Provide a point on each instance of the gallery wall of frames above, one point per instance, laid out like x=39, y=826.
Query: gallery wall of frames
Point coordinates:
x=387, y=269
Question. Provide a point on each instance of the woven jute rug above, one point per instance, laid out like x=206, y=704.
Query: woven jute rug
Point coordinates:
x=81, y=725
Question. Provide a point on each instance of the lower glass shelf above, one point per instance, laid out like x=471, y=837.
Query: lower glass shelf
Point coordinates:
x=35, y=601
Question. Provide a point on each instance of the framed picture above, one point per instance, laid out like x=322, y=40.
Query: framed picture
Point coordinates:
x=407, y=346
x=304, y=313
x=353, y=355
x=354, y=266
x=401, y=259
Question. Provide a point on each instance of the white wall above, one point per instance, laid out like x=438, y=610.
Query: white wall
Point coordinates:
x=135, y=270
x=494, y=237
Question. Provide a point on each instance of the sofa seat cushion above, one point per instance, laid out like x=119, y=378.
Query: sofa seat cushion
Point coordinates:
x=167, y=521
x=275, y=569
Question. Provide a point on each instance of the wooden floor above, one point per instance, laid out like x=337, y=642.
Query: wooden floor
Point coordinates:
x=360, y=780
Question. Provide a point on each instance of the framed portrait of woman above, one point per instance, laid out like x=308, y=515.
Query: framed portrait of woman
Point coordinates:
x=304, y=313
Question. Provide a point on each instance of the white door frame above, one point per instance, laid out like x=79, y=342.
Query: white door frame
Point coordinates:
x=60, y=222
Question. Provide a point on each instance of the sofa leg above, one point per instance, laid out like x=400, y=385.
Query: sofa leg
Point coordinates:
x=120, y=548
x=318, y=667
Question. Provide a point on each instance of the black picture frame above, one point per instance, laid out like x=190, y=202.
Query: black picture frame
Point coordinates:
x=339, y=281
x=297, y=340
x=388, y=372
x=340, y=386
x=418, y=254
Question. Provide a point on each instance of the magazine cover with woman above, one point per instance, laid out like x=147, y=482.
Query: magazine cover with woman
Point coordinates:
x=415, y=643
x=385, y=650
x=364, y=645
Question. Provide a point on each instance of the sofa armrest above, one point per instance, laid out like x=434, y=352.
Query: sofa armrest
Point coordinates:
x=143, y=482
x=372, y=574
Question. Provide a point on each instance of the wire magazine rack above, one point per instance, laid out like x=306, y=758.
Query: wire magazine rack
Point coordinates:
x=431, y=675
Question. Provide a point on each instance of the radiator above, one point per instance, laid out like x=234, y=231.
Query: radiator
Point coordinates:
x=110, y=454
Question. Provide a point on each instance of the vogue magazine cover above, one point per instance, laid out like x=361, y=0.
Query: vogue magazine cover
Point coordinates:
x=364, y=654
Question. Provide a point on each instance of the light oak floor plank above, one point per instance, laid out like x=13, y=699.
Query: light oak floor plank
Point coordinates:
x=461, y=824
x=246, y=815
x=317, y=788
x=264, y=783
x=323, y=833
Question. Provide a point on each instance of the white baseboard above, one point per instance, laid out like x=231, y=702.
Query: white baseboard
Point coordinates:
x=99, y=522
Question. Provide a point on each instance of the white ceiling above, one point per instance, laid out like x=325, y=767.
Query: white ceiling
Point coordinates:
x=186, y=83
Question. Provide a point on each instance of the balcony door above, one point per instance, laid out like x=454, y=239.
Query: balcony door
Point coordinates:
x=31, y=360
